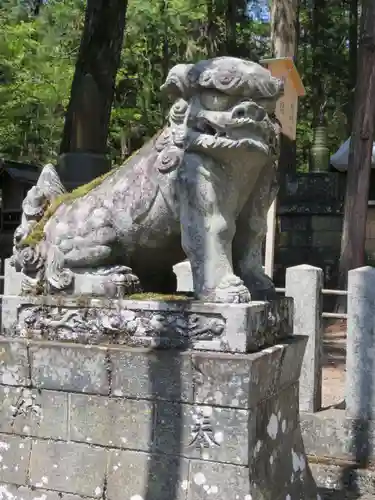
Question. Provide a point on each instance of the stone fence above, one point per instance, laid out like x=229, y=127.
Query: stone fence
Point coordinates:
x=344, y=434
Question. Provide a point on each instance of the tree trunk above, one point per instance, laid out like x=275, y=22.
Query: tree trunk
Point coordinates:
x=283, y=27
x=319, y=13
x=359, y=167
x=230, y=21
x=283, y=37
x=353, y=44
x=165, y=64
x=88, y=114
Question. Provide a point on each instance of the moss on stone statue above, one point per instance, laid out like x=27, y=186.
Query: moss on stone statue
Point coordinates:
x=157, y=296
x=37, y=233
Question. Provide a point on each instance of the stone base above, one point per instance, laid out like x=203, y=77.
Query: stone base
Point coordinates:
x=115, y=422
x=344, y=481
x=331, y=433
x=183, y=324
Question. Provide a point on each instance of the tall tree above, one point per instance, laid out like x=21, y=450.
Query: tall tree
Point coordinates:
x=283, y=27
x=88, y=114
x=359, y=167
x=353, y=46
x=317, y=29
x=283, y=38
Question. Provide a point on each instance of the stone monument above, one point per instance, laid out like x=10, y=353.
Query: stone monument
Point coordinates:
x=112, y=389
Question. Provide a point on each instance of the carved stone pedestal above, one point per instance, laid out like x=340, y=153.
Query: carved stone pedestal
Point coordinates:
x=109, y=420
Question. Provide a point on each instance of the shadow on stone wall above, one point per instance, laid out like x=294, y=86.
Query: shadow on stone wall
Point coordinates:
x=164, y=471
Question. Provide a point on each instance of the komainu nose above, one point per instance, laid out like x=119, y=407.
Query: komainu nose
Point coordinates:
x=248, y=110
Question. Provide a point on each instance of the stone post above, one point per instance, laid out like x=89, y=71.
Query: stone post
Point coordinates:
x=360, y=386
x=11, y=299
x=304, y=284
x=76, y=169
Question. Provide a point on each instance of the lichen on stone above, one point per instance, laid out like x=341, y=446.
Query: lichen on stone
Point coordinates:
x=37, y=233
x=157, y=296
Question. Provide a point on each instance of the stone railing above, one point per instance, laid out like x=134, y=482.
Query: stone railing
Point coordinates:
x=344, y=433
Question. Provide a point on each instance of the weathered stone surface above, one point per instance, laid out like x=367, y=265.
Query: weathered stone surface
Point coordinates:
x=14, y=462
x=345, y=480
x=212, y=433
x=12, y=492
x=218, y=123
x=291, y=223
x=214, y=480
x=184, y=276
x=151, y=374
x=315, y=186
x=68, y=467
x=9, y=397
x=292, y=360
x=111, y=422
x=330, y=239
x=331, y=433
x=183, y=324
x=243, y=381
x=11, y=299
x=272, y=421
x=304, y=283
x=326, y=223
x=189, y=424
x=360, y=391
x=34, y=413
x=235, y=381
x=14, y=365
x=69, y=367
x=139, y=475
x=283, y=470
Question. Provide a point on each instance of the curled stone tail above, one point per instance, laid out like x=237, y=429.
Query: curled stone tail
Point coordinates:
x=30, y=258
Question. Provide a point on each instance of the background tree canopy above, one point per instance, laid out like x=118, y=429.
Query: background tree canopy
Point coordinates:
x=39, y=41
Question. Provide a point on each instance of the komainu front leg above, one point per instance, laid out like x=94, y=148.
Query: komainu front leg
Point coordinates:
x=207, y=231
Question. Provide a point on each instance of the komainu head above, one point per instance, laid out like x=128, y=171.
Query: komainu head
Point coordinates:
x=222, y=105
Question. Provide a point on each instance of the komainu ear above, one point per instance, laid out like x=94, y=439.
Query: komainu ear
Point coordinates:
x=178, y=83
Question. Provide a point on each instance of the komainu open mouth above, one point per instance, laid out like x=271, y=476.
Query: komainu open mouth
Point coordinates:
x=237, y=133
x=205, y=127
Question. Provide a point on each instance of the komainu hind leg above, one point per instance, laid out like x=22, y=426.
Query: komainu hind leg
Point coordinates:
x=86, y=267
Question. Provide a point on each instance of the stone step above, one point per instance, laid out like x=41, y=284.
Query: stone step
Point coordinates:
x=343, y=482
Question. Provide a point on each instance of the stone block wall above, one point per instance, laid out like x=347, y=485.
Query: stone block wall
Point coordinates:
x=370, y=235
x=114, y=422
x=309, y=224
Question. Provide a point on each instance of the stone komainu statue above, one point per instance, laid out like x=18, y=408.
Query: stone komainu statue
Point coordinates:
x=201, y=189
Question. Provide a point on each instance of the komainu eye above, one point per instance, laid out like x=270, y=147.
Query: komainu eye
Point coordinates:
x=216, y=102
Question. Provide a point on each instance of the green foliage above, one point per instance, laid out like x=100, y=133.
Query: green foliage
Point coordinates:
x=323, y=58
x=38, y=53
x=36, y=68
